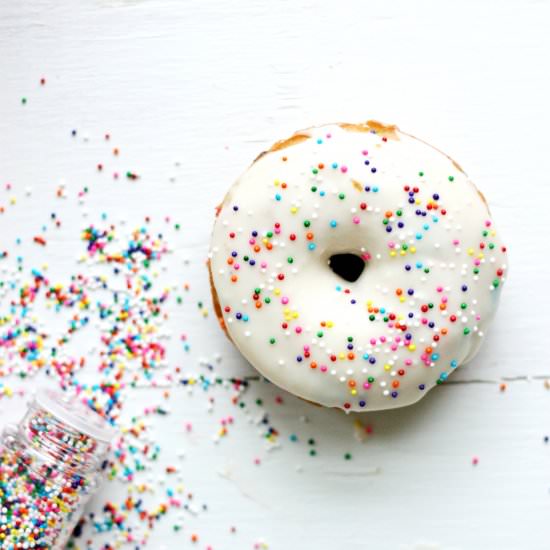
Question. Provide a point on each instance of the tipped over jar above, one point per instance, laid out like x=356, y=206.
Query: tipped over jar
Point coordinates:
x=51, y=463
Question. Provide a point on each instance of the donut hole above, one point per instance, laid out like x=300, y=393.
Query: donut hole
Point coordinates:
x=348, y=266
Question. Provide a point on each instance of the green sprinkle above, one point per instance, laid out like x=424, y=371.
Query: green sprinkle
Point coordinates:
x=272, y=341
x=466, y=331
x=307, y=223
x=347, y=456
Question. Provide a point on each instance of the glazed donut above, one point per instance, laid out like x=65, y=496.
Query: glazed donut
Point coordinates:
x=355, y=266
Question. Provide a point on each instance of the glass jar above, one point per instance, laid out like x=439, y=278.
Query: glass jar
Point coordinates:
x=50, y=465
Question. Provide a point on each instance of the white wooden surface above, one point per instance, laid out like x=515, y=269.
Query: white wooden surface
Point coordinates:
x=192, y=91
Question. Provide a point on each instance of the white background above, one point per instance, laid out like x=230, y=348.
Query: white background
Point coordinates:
x=191, y=92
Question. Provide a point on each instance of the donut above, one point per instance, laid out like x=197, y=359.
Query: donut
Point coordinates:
x=355, y=266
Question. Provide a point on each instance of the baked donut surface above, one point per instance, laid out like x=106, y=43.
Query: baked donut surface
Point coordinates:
x=355, y=266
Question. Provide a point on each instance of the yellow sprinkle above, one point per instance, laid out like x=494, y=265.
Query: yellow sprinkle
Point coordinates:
x=387, y=367
x=412, y=347
x=293, y=210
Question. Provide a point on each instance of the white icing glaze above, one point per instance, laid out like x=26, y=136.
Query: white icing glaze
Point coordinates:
x=345, y=183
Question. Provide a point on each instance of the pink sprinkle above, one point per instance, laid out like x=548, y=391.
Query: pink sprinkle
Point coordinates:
x=356, y=220
x=323, y=368
x=391, y=244
x=344, y=169
x=475, y=460
x=263, y=264
x=284, y=300
x=298, y=330
x=365, y=152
